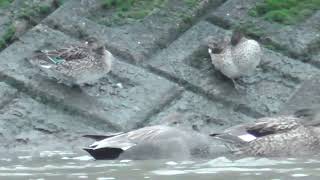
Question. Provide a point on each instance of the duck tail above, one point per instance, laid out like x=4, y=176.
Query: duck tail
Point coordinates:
x=104, y=153
x=306, y=113
x=310, y=115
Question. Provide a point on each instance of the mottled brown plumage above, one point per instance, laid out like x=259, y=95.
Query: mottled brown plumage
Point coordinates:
x=235, y=57
x=273, y=136
x=76, y=64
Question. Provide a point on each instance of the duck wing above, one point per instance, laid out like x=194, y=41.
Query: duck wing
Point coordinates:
x=69, y=53
x=273, y=125
x=244, y=133
x=101, y=137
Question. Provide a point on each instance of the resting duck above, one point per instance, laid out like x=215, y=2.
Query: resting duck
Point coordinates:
x=75, y=65
x=235, y=57
x=275, y=136
x=152, y=142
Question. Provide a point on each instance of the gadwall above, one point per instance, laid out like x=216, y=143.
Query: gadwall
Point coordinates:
x=235, y=57
x=152, y=142
x=275, y=136
x=78, y=64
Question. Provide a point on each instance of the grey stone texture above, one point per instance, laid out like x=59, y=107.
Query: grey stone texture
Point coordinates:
x=135, y=41
x=298, y=39
x=7, y=93
x=126, y=95
x=162, y=71
x=28, y=124
x=198, y=113
x=307, y=96
x=268, y=88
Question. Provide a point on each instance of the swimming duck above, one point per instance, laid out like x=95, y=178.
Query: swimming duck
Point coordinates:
x=151, y=142
x=235, y=57
x=77, y=64
x=274, y=136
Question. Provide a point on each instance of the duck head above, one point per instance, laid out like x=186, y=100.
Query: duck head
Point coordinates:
x=106, y=57
x=217, y=46
x=236, y=37
x=92, y=42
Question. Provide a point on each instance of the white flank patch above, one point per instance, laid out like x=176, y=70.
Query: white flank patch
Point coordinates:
x=209, y=50
x=119, y=85
x=299, y=175
x=46, y=66
x=125, y=161
x=171, y=163
x=247, y=137
x=83, y=158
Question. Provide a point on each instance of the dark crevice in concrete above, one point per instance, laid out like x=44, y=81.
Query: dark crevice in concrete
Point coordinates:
x=201, y=15
x=45, y=131
x=31, y=22
x=197, y=90
x=313, y=49
x=315, y=64
x=7, y=100
x=51, y=101
x=218, y=21
x=242, y=108
x=174, y=34
x=172, y=97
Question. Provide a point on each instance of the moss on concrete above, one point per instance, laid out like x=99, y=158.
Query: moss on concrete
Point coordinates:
x=285, y=11
x=7, y=36
x=120, y=12
x=191, y=3
x=30, y=11
x=250, y=28
x=4, y=3
x=129, y=10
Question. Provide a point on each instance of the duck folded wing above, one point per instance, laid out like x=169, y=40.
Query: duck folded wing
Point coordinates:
x=104, y=153
x=267, y=126
x=244, y=133
x=237, y=135
x=70, y=53
x=101, y=137
x=113, y=142
x=108, y=148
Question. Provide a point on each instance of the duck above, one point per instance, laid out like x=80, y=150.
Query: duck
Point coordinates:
x=279, y=136
x=235, y=57
x=150, y=142
x=77, y=64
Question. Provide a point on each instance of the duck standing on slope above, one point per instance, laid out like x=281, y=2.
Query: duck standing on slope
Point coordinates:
x=76, y=64
x=280, y=136
x=235, y=57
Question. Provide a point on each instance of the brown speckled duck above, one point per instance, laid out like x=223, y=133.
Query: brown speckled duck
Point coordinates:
x=235, y=57
x=281, y=136
x=76, y=64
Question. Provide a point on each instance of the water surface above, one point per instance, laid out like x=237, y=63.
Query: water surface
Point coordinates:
x=57, y=165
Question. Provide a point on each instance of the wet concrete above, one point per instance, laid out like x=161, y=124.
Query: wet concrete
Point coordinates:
x=161, y=68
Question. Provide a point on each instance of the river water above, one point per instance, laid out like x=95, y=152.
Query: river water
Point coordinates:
x=58, y=165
